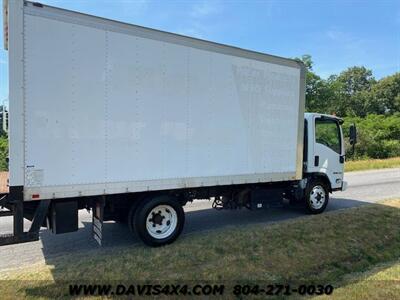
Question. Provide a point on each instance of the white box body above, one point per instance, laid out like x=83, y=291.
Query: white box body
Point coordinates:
x=109, y=107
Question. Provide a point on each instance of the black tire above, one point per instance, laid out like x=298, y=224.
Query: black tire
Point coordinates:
x=316, y=204
x=171, y=210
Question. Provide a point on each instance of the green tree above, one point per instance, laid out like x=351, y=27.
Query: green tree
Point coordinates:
x=378, y=135
x=351, y=91
x=385, y=96
x=3, y=153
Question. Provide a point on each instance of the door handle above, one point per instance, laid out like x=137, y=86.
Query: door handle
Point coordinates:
x=316, y=161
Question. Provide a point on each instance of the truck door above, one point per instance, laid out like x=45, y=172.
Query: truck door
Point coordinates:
x=329, y=150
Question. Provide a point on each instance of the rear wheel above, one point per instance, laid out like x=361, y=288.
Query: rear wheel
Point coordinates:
x=158, y=220
x=316, y=197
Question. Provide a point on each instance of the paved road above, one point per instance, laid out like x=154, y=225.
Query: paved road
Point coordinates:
x=367, y=186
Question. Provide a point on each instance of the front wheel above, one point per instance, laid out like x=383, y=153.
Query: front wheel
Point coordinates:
x=316, y=197
x=158, y=221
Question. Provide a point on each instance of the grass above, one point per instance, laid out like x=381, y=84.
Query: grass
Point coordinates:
x=321, y=249
x=369, y=164
x=382, y=282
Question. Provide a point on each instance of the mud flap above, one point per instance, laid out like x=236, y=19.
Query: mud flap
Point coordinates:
x=98, y=216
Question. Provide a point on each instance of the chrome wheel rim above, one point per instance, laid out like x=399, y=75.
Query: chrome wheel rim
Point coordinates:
x=161, y=222
x=317, y=197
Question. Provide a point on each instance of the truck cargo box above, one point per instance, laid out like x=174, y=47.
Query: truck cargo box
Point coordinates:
x=103, y=107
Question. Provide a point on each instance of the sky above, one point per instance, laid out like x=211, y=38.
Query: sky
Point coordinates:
x=337, y=34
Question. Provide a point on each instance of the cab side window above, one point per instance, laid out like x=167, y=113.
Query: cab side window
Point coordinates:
x=327, y=133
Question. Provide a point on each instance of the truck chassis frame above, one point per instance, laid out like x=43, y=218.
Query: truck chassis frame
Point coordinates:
x=44, y=213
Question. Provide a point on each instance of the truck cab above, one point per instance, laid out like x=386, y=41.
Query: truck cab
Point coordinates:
x=324, y=151
x=323, y=159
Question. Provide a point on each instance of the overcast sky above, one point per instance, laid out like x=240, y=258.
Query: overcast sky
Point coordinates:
x=337, y=34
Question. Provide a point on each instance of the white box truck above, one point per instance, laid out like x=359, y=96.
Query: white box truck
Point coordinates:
x=133, y=123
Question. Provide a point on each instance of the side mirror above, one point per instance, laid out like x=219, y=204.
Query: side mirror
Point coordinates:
x=353, y=134
x=353, y=137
